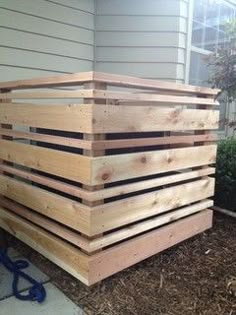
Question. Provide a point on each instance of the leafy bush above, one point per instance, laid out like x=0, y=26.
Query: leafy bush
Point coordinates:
x=222, y=63
x=225, y=195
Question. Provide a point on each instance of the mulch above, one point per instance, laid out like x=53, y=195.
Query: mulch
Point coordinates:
x=196, y=277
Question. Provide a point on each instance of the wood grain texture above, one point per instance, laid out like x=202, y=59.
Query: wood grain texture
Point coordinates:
x=59, y=80
x=99, y=118
x=138, y=228
x=68, y=165
x=63, y=141
x=52, y=226
x=49, y=182
x=111, y=95
x=113, y=168
x=158, y=98
x=99, y=145
x=118, y=213
x=152, y=141
x=5, y=126
x=149, y=183
x=70, y=117
x=129, y=81
x=104, y=193
x=117, y=258
x=110, y=79
x=58, y=251
x=112, y=118
x=102, y=241
x=49, y=94
x=56, y=207
x=91, y=269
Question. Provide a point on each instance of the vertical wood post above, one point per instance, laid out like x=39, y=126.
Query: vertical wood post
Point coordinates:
x=203, y=132
x=3, y=242
x=94, y=153
x=6, y=126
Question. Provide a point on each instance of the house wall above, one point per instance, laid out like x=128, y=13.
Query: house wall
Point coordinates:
x=147, y=39
x=142, y=38
x=45, y=37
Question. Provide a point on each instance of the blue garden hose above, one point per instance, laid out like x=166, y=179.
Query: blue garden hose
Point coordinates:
x=36, y=292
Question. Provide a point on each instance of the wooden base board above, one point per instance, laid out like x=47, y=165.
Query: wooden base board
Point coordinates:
x=94, y=268
x=126, y=254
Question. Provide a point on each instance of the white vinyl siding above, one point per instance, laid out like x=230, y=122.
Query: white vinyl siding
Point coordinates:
x=146, y=39
x=135, y=37
x=45, y=37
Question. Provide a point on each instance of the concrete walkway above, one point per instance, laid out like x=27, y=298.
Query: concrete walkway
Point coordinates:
x=55, y=303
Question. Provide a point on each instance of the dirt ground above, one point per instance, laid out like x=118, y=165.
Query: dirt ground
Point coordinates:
x=197, y=277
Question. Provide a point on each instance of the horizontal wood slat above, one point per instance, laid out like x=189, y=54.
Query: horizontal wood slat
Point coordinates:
x=108, y=262
x=68, y=142
x=107, y=192
x=113, y=118
x=60, y=252
x=107, y=119
x=48, y=95
x=92, y=221
x=68, y=165
x=146, y=225
x=98, y=170
x=113, y=168
x=152, y=141
x=150, y=183
x=111, y=95
x=91, y=269
x=62, y=80
x=109, y=238
x=129, y=81
x=144, y=97
x=110, y=79
x=107, y=144
x=47, y=224
x=49, y=182
x=118, y=213
x=61, y=209
x=70, y=117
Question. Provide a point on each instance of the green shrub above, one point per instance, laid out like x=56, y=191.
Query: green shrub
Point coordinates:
x=225, y=195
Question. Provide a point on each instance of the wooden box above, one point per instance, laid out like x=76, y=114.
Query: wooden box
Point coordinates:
x=100, y=171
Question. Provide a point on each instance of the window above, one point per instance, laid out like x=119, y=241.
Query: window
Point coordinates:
x=198, y=69
x=209, y=17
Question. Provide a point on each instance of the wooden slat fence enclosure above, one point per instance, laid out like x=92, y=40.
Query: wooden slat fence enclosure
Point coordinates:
x=100, y=171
